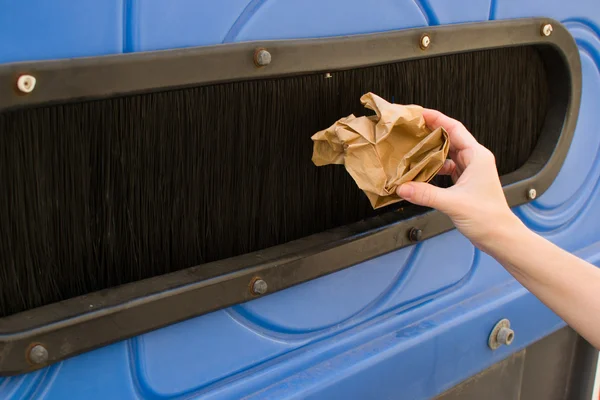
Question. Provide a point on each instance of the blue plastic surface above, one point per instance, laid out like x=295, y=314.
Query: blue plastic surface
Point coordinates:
x=409, y=324
x=40, y=29
x=160, y=24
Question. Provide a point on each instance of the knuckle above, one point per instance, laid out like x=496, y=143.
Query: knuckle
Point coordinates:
x=461, y=126
x=424, y=197
x=487, y=155
x=428, y=197
x=432, y=198
x=451, y=168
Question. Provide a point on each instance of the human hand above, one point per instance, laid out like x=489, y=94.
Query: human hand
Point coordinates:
x=476, y=202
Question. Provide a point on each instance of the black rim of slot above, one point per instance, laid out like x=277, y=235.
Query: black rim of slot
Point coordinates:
x=83, y=323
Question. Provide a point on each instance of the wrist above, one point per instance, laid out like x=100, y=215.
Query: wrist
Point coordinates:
x=506, y=235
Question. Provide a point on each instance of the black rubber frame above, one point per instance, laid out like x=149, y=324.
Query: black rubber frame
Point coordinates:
x=83, y=323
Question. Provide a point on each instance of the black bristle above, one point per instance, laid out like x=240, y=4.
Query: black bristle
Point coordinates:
x=101, y=193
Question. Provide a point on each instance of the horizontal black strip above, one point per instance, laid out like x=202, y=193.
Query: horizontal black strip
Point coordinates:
x=87, y=322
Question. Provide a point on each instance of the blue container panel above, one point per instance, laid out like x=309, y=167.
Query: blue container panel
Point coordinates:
x=40, y=30
x=159, y=24
x=409, y=324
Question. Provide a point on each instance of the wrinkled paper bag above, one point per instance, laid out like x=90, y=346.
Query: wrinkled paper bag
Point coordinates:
x=384, y=151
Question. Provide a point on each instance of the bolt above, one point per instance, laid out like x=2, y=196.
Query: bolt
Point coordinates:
x=501, y=335
x=547, y=30
x=505, y=336
x=531, y=194
x=38, y=354
x=259, y=287
x=415, y=235
x=262, y=57
x=26, y=83
x=425, y=41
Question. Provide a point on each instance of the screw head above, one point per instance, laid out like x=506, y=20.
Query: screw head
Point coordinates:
x=425, y=41
x=259, y=287
x=328, y=75
x=531, y=194
x=547, y=29
x=501, y=335
x=26, y=83
x=415, y=235
x=38, y=354
x=262, y=57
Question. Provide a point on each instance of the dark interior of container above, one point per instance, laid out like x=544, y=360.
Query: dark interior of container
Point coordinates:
x=101, y=193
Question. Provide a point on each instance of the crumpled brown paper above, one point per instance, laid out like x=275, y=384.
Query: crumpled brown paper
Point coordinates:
x=384, y=151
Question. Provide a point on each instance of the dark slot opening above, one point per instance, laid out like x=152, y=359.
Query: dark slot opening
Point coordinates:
x=106, y=192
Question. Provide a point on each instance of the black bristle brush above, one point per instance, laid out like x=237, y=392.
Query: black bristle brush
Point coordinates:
x=101, y=193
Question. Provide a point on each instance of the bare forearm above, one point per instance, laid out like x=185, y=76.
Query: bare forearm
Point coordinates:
x=568, y=285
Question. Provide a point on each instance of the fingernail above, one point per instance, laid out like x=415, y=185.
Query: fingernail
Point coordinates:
x=405, y=191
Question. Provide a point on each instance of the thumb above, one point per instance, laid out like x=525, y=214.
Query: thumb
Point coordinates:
x=425, y=194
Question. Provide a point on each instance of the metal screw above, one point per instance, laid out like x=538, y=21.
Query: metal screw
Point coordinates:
x=38, y=354
x=547, y=30
x=501, y=335
x=425, y=41
x=415, y=235
x=26, y=83
x=328, y=75
x=531, y=194
x=259, y=287
x=262, y=57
